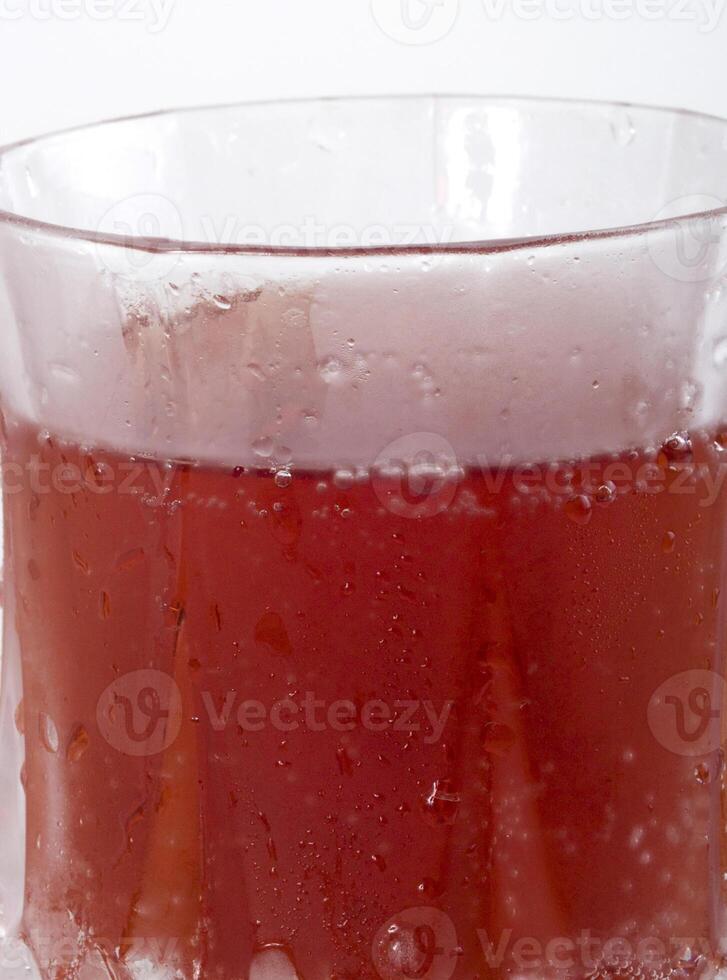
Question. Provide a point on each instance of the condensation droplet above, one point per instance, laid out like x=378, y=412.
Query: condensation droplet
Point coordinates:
x=720, y=352
x=78, y=744
x=579, y=509
x=48, y=733
x=20, y=717
x=105, y=605
x=720, y=442
x=676, y=452
x=668, y=542
x=256, y=371
x=430, y=888
x=702, y=773
x=273, y=962
x=344, y=479
x=379, y=861
x=263, y=447
x=283, y=479
x=606, y=493
x=622, y=128
x=130, y=559
x=222, y=302
x=270, y=629
x=690, y=394
x=330, y=369
x=441, y=804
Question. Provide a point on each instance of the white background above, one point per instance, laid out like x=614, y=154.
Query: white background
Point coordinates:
x=59, y=65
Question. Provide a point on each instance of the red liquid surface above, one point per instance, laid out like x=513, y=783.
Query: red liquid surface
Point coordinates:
x=491, y=776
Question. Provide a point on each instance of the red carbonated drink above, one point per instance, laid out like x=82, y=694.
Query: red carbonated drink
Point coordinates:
x=365, y=511
x=440, y=722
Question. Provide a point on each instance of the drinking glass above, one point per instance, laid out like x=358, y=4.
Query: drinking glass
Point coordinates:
x=365, y=522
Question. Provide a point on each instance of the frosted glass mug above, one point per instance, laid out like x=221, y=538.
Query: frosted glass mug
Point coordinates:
x=364, y=516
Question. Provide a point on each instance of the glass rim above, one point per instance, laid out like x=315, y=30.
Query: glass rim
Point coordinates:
x=486, y=246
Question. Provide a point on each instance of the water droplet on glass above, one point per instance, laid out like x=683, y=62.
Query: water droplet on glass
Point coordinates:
x=379, y=861
x=263, y=447
x=20, y=717
x=105, y=605
x=330, y=369
x=48, y=733
x=606, y=493
x=270, y=629
x=442, y=802
x=720, y=352
x=622, y=128
x=256, y=371
x=676, y=452
x=283, y=479
x=344, y=479
x=273, y=962
x=702, y=773
x=222, y=302
x=579, y=509
x=430, y=888
x=690, y=395
x=668, y=542
x=78, y=744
